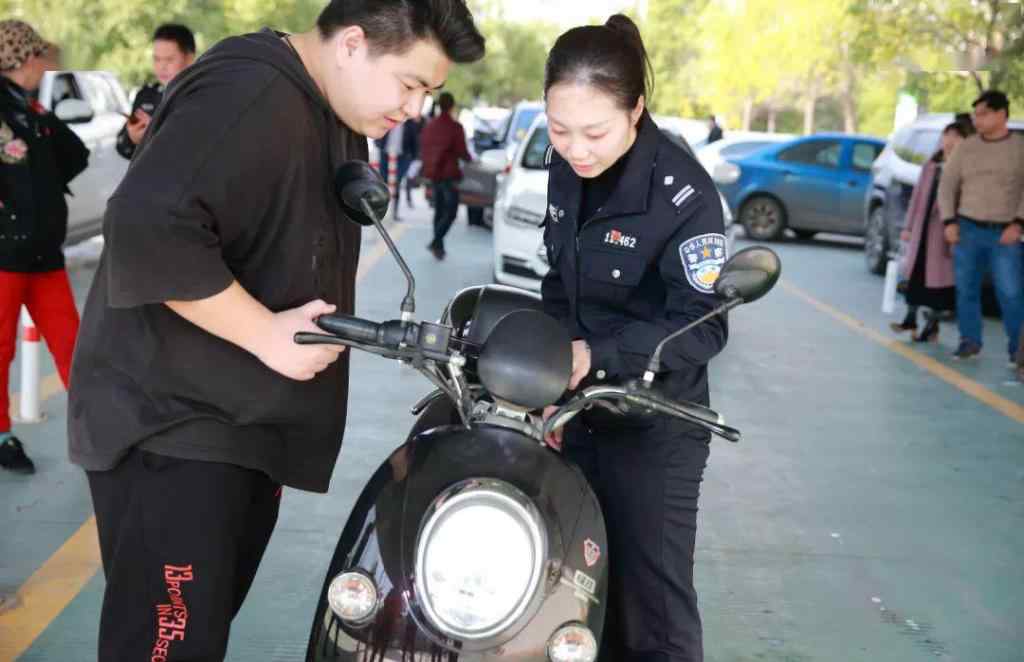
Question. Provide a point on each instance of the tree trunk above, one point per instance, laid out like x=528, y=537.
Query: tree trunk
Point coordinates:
x=809, y=103
x=772, y=115
x=848, y=94
x=748, y=113
x=849, y=113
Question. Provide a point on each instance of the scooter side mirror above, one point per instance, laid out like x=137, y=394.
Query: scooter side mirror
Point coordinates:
x=365, y=198
x=356, y=181
x=749, y=274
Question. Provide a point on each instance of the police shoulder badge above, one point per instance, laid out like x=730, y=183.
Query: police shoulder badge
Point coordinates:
x=703, y=257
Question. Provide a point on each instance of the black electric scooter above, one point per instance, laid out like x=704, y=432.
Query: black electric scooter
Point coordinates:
x=474, y=540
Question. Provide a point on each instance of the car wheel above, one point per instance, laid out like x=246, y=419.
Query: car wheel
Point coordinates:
x=876, y=242
x=475, y=215
x=805, y=234
x=763, y=218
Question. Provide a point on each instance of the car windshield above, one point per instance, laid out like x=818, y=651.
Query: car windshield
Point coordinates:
x=523, y=119
x=533, y=155
x=919, y=146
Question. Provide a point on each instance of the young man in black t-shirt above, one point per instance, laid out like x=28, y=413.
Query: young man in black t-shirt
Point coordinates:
x=191, y=405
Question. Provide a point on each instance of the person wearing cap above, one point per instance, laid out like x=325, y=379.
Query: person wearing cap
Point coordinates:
x=981, y=196
x=39, y=156
x=174, y=49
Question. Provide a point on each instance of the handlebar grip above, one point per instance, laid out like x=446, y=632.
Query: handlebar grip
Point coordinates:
x=700, y=412
x=350, y=328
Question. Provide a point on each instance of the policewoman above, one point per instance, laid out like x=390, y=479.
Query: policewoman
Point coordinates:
x=634, y=237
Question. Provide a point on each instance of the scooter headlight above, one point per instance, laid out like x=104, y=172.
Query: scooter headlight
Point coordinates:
x=353, y=597
x=479, y=559
x=572, y=643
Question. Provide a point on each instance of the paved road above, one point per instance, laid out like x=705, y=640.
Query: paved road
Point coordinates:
x=872, y=512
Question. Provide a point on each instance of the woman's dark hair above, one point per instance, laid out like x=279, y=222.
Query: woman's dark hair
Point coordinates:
x=610, y=57
x=393, y=26
x=959, y=129
x=179, y=34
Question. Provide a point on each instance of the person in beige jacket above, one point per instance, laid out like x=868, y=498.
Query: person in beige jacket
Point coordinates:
x=981, y=196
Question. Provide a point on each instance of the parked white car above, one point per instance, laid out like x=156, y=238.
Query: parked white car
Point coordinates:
x=520, y=258
x=736, y=145
x=95, y=107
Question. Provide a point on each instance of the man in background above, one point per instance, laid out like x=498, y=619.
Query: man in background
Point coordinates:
x=442, y=145
x=174, y=49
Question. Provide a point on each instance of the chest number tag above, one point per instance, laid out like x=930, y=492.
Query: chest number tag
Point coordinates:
x=616, y=238
x=703, y=257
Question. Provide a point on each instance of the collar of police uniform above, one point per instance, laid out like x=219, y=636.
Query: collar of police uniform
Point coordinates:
x=633, y=190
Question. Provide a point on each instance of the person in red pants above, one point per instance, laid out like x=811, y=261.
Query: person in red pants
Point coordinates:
x=39, y=156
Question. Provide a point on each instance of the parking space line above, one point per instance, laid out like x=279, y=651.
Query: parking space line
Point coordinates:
x=63, y=576
x=972, y=388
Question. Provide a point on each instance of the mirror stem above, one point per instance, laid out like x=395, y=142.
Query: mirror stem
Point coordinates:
x=654, y=366
x=409, y=302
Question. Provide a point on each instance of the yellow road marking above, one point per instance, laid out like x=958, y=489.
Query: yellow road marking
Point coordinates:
x=972, y=388
x=63, y=576
x=380, y=249
x=47, y=592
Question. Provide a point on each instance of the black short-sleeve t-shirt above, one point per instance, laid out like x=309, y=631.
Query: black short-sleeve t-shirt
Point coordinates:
x=233, y=182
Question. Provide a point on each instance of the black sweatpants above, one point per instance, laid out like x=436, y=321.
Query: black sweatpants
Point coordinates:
x=648, y=484
x=181, y=541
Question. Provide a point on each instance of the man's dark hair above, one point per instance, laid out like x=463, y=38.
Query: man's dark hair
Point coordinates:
x=179, y=34
x=446, y=102
x=393, y=26
x=995, y=100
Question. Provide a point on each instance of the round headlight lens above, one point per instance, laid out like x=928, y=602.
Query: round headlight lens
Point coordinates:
x=479, y=562
x=353, y=597
x=572, y=643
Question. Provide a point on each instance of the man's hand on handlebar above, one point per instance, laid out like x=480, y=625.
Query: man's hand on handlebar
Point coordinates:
x=279, y=351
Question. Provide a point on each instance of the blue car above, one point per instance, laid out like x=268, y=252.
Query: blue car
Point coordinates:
x=809, y=185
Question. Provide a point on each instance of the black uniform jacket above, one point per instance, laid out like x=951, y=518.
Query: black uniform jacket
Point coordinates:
x=640, y=268
x=148, y=100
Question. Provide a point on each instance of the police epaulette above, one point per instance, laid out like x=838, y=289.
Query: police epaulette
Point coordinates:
x=549, y=154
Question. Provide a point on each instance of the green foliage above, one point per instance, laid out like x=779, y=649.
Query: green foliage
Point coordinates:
x=741, y=59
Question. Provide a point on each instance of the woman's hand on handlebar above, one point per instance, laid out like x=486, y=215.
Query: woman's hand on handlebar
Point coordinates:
x=279, y=351
x=580, y=363
x=554, y=438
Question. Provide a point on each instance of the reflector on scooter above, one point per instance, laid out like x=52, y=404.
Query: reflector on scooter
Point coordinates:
x=353, y=597
x=572, y=643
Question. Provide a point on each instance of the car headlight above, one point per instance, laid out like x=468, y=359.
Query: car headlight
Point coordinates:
x=353, y=597
x=572, y=643
x=726, y=173
x=519, y=216
x=479, y=559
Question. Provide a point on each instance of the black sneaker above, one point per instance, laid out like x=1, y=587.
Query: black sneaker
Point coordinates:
x=966, y=350
x=13, y=458
x=436, y=251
